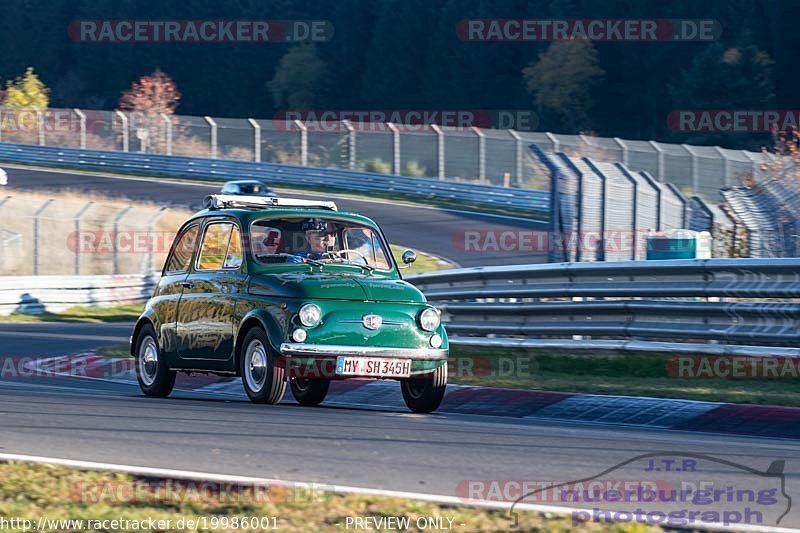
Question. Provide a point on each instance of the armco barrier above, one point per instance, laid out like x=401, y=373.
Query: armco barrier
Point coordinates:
x=719, y=306
x=532, y=203
x=56, y=293
x=726, y=305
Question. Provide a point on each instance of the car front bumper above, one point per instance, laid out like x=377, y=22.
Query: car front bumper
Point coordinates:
x=297, y=349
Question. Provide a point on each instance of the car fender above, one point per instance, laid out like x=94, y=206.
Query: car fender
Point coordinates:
x=148, y=316
x=263, y=319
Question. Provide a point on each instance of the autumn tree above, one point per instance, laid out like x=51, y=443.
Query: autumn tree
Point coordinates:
x=27, y=91
x=155, y=94
x=149, y=98
x=561, y=82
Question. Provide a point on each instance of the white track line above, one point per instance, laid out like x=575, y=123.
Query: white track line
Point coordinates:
x=342, y=489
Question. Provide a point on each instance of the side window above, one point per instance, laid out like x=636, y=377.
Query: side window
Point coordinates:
x=182, y=252
x=221, y=248
x=233, y=259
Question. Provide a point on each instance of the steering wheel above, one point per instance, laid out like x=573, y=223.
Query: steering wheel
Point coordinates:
x=341, y=253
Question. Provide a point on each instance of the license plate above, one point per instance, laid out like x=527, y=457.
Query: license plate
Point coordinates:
x=373, y=367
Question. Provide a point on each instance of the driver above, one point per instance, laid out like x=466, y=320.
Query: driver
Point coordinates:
x=321, y=238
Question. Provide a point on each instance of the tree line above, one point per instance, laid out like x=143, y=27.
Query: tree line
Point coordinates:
x=406, y=54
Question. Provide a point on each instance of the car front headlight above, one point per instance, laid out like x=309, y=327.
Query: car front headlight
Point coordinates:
x=429, y=319
x=310, y=315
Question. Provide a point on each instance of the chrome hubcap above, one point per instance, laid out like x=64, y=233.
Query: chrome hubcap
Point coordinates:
x=255, y=366
x=148, y=361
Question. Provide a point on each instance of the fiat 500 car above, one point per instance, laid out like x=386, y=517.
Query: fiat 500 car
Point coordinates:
x=281, y=291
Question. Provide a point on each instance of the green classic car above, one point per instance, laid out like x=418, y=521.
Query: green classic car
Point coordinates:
x=278, y=290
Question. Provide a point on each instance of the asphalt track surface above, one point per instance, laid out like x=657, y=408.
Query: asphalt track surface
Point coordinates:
x=438, y=231
x=101, y=421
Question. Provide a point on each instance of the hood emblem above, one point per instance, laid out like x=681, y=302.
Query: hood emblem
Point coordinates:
x=372, y=321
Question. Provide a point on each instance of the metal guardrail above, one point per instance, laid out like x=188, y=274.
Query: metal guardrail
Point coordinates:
x=712, y=306
x=32, y=294
x=534, y=203
x=716, y=306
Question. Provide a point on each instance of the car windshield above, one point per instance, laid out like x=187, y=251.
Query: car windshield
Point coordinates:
x=252, y=188
x=317, y=240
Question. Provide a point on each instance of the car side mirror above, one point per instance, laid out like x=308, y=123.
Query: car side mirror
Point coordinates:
x=409, y=256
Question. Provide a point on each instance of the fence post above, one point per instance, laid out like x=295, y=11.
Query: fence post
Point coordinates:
x=518, y=151
x=553, y=139
x=351, y=144
x=213, y=136
x=36, y=216
x=40, y=124
x=727, y=162
x=168, y=132
x=116, y=238
x=395, y=147
x=78, y=250
x=303, y=142
x=82, y=118
x=481, y=153
x=439, y=150
x=151, y=227
x=256, y=140
x=125, y=132
x=625, y=150
x=660, y=153
x=754, y=159
x=695, y=168
x=600, y=253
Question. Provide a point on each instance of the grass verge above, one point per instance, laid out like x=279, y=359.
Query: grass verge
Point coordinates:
x=32, y=491
x=608, y=372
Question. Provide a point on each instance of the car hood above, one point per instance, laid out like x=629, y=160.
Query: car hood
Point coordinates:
x=335, y=287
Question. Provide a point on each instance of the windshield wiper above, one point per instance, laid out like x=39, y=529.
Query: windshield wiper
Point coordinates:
x=368, y=268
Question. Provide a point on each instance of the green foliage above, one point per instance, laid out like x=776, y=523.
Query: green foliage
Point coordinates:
x=414, y=169
x=376, y=165
x=405, y=54
x=561, y=83
x=27, y=91
x=300, y=81
x=723, y=77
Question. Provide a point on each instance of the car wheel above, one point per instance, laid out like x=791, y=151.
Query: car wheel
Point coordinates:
x=262, y=376
x=423, y=395
x=308, y=391
x=154, y=376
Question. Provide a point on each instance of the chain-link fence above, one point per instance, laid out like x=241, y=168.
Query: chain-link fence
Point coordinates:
x=454, y=153
x=70, y=235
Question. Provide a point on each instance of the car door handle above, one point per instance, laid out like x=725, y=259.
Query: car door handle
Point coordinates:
x=187, y=284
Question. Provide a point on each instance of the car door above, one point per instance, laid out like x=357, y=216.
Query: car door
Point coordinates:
x=206, y=310
x=168, y=292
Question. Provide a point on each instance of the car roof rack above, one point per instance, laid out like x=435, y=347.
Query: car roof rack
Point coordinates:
x=225, y=201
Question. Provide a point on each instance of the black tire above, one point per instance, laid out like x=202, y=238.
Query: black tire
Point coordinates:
x=154, y=376
x=308, y=391
x=425, y=394
x=263, y=378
